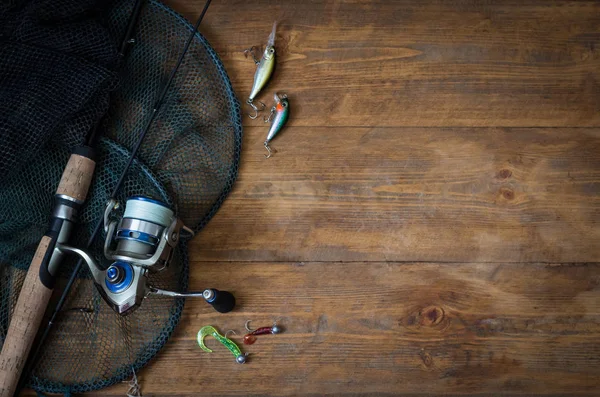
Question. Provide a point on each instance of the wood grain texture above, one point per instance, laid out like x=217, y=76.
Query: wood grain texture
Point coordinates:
x=419, y=63
x=412, y=194
x=429, y=223
x=391, y=328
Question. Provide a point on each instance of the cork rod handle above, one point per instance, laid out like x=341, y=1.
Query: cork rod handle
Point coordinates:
x=34, y=296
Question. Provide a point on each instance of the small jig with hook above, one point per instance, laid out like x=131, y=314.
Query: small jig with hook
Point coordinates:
x=228, y=343
x=251, y=337
x=264, y=69
x=278, y=117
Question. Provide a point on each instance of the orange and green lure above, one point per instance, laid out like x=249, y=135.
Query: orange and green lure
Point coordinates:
x=278, y=117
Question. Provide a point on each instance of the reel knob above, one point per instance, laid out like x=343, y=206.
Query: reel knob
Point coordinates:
x=119, y=277
x=222, y=301
x=113, y=274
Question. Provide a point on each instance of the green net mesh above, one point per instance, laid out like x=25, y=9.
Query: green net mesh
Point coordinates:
x=188, y=160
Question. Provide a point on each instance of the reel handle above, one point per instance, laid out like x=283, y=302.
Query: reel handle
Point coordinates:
x=221, y=301
x=39, y=282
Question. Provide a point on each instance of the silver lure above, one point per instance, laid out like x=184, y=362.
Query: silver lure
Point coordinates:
x=264, y=69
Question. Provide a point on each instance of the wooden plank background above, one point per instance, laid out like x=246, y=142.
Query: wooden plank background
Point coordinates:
x=430, y=221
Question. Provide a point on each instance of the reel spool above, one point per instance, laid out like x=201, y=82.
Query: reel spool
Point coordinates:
x=146, y=235
x=142, y=241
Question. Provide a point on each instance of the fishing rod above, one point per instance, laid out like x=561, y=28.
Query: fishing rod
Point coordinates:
x=40, y=279
x=130, y=264
x=90, y=141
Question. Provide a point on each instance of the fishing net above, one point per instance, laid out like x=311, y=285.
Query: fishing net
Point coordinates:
x=58, y=76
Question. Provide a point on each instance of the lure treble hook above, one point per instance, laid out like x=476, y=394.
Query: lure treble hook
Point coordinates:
x=250, y=338
x=240, y=357
x=250, y=102
x=270, y=118
x=251, y=52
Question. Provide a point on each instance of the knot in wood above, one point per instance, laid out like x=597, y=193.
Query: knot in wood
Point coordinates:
x=432, y=315
x=504, y=174
x=508, y=194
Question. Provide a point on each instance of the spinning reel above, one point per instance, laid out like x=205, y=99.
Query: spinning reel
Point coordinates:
x=142, y=241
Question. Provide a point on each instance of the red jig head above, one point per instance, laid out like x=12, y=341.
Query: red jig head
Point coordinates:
x=250, y=338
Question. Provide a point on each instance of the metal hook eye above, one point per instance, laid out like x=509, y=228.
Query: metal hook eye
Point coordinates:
x=256, y=110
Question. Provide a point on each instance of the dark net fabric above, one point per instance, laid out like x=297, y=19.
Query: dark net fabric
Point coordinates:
x=194, y=146
x=189, y=160
x=43, y=45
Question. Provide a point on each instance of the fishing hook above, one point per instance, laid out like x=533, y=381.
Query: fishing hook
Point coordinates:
x=249, y=321
x=268, y=149
x=232, y=331
x=250, y=338
x=247, y=327
x=225, y=341
x=251, y=52
x=268, y=119
x=256, y=110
